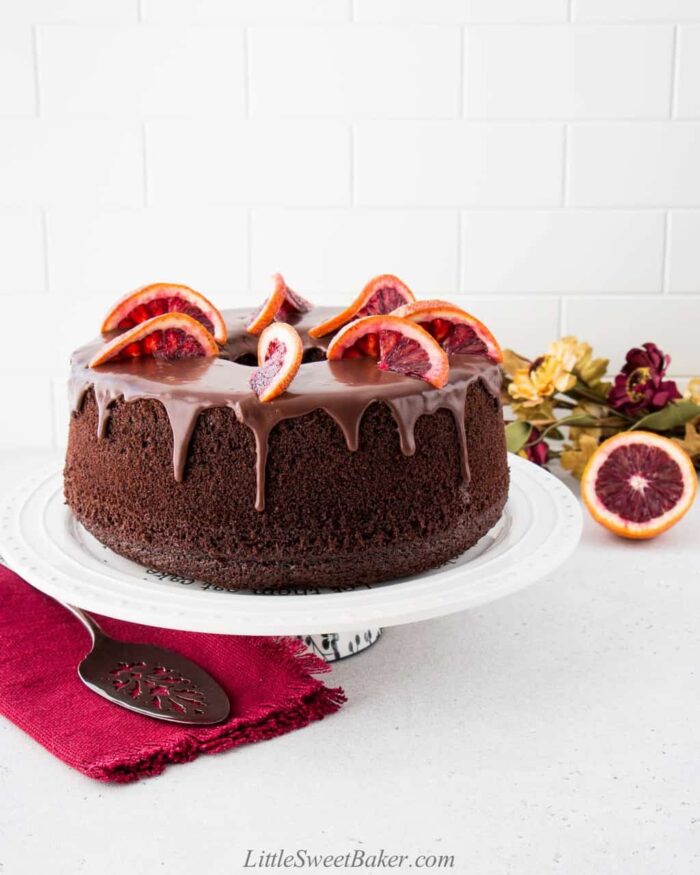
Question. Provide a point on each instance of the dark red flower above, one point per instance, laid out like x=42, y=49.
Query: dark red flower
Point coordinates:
x=536, y=450
x=640, y=387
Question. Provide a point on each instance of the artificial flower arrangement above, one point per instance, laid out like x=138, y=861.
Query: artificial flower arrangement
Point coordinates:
x=565, y=407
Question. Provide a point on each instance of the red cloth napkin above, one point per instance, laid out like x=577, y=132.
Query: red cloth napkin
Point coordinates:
x=269, y=683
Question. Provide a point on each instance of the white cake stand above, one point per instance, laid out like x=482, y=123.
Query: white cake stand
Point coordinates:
x=41, y=540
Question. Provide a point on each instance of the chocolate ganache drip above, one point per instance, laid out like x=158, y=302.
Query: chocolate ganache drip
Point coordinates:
x=343, y=389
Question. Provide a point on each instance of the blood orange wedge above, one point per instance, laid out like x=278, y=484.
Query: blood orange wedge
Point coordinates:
x=279, y=357
x=638, y=484
x=159, y=298
x=381, y=295
x=399, y=345
x=170, y=336
x=278, y=307
x=457, y=332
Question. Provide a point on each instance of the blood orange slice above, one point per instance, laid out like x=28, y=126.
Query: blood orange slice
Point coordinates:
x=381, y=295
x=638, y=484
x=457, y=332
x=399, y=345
x=278, y=307
x=170, y=336
x=279, y=357
x=158, y=298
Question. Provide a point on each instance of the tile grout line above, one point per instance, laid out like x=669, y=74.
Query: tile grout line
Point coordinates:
x=344, y=206
x=675, y=72
x=473, y=120
x=565, y=168
x=35, y=56
x=353, y=148
x=462, y=73
x=223, y=20
x=249, y=248
x=588, y=295
x=666, y=261
x=45, y=238
x=468, y=121
x=460, y=255
x=144, y=162
x=591, y=294
x=246, y=75
x=53, y=400
x=562, y=315
x=446, y=207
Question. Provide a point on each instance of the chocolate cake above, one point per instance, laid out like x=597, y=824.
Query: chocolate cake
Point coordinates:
x=354, y=475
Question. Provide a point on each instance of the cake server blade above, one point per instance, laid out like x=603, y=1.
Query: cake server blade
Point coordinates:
x=150, y=680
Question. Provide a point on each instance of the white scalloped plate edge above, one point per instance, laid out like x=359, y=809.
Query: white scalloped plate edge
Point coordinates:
x=41, y=541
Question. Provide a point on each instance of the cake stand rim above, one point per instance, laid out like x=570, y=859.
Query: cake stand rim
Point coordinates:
x=24, y=533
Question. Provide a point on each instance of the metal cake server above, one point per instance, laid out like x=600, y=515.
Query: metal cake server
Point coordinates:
x=149, y=679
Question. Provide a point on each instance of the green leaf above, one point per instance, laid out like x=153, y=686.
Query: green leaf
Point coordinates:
x=582, y=420
x=517, y=434
x=672, y=416
x=587, y=392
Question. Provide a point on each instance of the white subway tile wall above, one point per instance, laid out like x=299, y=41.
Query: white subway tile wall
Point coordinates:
x=650, y=164
x=455, y=163
x=684, y=252
x=71, y=11
x=205, y=246
x=17, y=88
x=270, y=163
x=354, y=71
x=557, y=251
x=47, y=162
x=533, y=160
x=140, y=70
x=22, y=259
x=329, y=252
x=687, y=104
x=572, y=72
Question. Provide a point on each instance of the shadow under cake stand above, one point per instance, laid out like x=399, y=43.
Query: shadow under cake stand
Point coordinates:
x=42, y=541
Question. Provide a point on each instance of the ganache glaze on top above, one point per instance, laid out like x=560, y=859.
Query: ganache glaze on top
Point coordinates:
x=343, y=389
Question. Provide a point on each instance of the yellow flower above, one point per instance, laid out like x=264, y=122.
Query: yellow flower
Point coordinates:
x=574, y=457
x=513, y=362
x=577, y=358
x=535, y=382
x=691, y=442
x=591, y=371
x=576, y=432
x=539, y=414
x=692, y=392
x=569, y=351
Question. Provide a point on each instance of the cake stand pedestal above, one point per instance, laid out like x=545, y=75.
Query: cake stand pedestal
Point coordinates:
x=333, y=646
x=42, y=541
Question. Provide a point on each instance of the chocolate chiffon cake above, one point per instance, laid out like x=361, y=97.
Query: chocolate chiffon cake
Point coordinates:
x=354, y=474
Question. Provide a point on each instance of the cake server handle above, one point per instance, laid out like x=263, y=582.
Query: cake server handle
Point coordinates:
x=90, y=624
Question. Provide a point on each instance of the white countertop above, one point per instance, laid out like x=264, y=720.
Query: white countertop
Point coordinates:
x=554, y=731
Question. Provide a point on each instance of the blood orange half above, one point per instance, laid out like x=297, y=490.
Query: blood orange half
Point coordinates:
x=638, y=484
x=381, y=295
x=277, y=307
x=158, y=298
x=170, y=336
x=457, y=332
x=399, y=345
x=279, y=357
